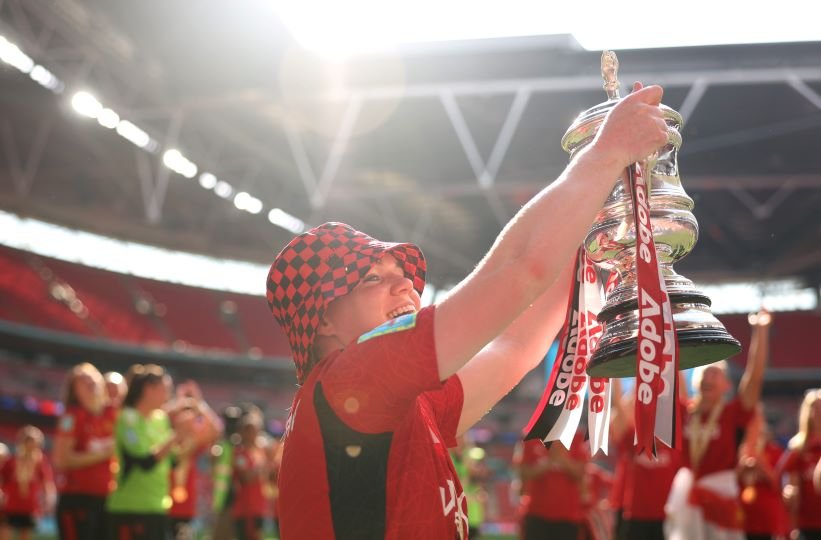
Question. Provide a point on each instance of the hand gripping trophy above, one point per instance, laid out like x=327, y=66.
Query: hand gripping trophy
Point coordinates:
x=611, y=246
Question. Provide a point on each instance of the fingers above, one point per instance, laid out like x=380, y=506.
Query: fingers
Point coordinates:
x=650, y=95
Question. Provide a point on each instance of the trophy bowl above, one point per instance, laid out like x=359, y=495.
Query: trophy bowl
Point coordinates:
x=611, y=245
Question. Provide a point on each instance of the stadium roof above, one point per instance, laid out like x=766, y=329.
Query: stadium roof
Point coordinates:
x=439, y=144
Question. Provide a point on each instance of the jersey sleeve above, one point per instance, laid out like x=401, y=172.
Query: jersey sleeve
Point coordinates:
x=374, y=381
x=67, y=425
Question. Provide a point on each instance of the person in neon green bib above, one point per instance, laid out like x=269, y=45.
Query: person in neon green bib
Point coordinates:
x=138, y=507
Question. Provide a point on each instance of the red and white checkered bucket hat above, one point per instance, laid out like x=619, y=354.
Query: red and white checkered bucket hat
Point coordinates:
x=322, y=264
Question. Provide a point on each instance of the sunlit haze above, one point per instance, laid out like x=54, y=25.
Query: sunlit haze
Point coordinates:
x=362, y=26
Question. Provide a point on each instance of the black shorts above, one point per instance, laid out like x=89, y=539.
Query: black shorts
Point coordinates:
x=80, y=516
x=644, y=529
x=21, y=521
x=535, y=528
x=137, y=526
x=181, y=528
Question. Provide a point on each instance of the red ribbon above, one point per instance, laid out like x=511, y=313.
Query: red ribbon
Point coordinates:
x=650, y=359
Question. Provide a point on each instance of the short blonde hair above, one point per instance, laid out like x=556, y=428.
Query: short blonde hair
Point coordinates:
x=698, y=372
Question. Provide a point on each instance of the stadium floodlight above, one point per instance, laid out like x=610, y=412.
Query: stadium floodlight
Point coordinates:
x=86, y=104
x=108, y=118
x=283, y=219
x=223, y=189
x=241, y=200
x=247, y=202
x=135, y=135
x=254, y=206
x=46, y=79
x=13, y=56
x=208, y=180
x=174, y=160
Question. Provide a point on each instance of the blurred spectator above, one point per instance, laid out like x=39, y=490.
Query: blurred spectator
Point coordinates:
x=704, y=501
x=468, y=460
x=765, y=517
x=83, y=454
x=190, y=415
x=646, y=481
x=800, y=464
x=250, y=476
x=275, y=460
x=4, y=456
x=552, y=485
x=222, y=457
x=598, y=516
x=27, y=484
x=115, y=387
x=138, y=507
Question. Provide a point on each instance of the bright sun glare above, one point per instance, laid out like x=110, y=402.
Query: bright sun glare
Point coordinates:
x=366, y=26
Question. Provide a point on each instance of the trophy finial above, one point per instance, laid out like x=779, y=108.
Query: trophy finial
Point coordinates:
x=610, y=74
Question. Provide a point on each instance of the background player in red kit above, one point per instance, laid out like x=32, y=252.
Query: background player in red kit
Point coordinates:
x=190, y=414
x=387, y=386
x=800, y=463
x=552, y=488
x=251, y=474
x=27, y=484
x=704, y=500
x=765, y=517
x=645, y=481
x=83, y=454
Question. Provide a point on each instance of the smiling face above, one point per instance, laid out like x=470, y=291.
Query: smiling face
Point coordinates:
x=88, y=389
x=714, y=384
x=383, y=294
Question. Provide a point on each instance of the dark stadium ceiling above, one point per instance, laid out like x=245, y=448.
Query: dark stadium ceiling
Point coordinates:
x=395, y=146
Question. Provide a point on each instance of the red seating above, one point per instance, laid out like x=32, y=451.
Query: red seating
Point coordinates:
x=790, y=334
x=260, y=328
x=191, y=314
x=26, y=298
x=110, y=304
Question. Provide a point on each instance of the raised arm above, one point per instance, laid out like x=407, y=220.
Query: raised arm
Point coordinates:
x=535, y=247
x=515, y=352
x=749, y=388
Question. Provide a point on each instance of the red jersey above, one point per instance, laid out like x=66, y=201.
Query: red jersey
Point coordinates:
x=89, y=431
x=803, y=463
x=366, y=443
x=249, y=496
x=764, y=511
x=184, y=479
x=554, y=495
x=624, y=461
x=24, y=486
x=648, y=482
x=723, y=439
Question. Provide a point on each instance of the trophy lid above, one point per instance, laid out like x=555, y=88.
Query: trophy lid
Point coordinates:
x=587, y=123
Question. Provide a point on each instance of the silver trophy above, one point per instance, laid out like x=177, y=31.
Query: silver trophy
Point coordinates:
x=611, y=245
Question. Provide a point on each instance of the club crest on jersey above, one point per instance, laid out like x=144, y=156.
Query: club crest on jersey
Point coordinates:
x=67, y=423
x=399, y=324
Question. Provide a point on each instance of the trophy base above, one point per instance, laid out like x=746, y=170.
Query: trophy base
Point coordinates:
x=697, y=347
